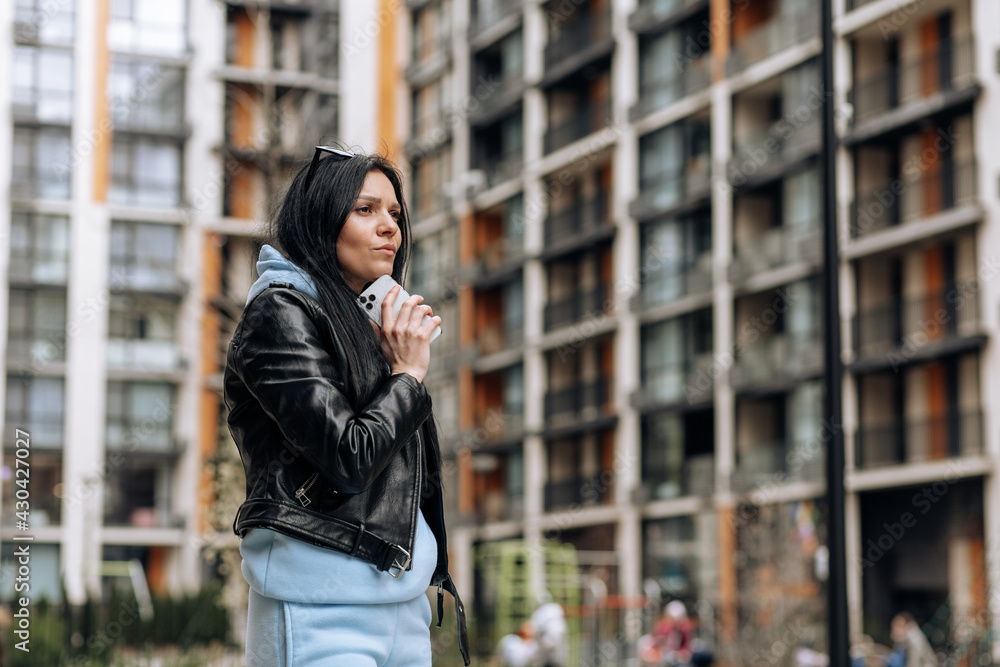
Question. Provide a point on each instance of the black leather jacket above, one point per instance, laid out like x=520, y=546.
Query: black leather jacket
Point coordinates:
x=319, y=469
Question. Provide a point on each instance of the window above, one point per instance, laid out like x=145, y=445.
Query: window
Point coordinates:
x=144, y=256
x=39, y=248
x=429, y=176
x=671, y=350
x=145, y=172
x=148, y=26
x=43, y=20
x=667, y=155
x=37, y=326
x=45, y=486
x=673, y=249
x=146, y=95
x=513, y=309
x=35, y=405
x=140, y=416
x=138, y=494
x=43, y=84
x=46, y=573
x=41, y=163
x=513, y=391
x=142, y=333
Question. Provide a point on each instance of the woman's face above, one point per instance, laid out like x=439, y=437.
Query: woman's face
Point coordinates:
x=368, y=242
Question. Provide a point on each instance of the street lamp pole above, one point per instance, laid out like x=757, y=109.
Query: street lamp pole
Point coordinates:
x=839, y=642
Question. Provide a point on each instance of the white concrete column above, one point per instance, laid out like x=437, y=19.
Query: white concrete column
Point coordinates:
x=722, y=293
x=87, y=318
x=360, y=29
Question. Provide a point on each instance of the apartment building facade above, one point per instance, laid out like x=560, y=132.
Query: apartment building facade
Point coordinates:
x=149, y=141
x=619, y=205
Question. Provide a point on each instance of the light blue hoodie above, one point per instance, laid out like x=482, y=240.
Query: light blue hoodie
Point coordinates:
x=283, y=567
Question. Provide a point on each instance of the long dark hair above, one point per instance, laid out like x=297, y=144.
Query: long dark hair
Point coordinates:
x=306, y=229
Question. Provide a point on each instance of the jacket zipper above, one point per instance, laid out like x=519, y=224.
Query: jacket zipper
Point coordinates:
x=419, y=494
x=300, y=493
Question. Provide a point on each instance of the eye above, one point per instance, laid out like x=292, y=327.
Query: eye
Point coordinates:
x=395, y=214
x=364, y=208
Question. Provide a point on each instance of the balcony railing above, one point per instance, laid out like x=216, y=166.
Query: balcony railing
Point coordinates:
x=39, y=265
x=898, y=84
x=579, y=491
x=40, y=347
x=487, y=13
x=146, y=437
x=665, y=190
x=784, y=141
x=46, y=428
x=577, y=35
x=658, y=93
x=150, y=277
x=671, y=282
x=41, y=105
x=581, y=217
x=582, y=400
x=498, y=337
x=778, y=463
x=775, y=35
x=586, y=119
x=161, y=355
x=500, y=506
x=778, y=246
x=576, y=307
x=778, y=356
x=653, y=11
x=919, y=440
x=950, y=313
x=502, y=251
x=504, y=167
x=899, y=201
x=679, y=382
x=695, y=477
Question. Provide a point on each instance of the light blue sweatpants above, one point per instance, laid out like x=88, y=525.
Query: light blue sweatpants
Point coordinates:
x=292, y=634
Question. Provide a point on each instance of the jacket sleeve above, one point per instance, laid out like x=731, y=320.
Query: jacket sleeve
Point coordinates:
x=285, y=366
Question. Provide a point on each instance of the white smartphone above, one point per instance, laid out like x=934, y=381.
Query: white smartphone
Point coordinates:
x=371, y=299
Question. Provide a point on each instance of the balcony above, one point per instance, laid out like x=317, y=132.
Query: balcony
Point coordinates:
x=498, y=337
x=900, y=202
x=919, y=440
x=770, y=154
x=668, y=283
x=660, y=93
x=594, y=302
x=688, y=382
x=580, y=40
x=582, y=401
x=577, y=220
x=587, y=119
x=498, y=258
x=499, y=506
x=652, y=15
x=153, y=278
x=900, y=84
x=39, y=266
x=425, y=67
x=39, y=105
x=948, y=315
x=486, y=14
x=778, y=246
x=774, y=36
x=150, y=355
x=497, y=97
x=579, y=491
x=45, y=427
x=151, y=436
x=694, y=477
x=777, y=463
x=504, y=167
x=777, y=358
x=668, y=190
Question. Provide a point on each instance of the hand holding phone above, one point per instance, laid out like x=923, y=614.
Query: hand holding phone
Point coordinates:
x=370, y=301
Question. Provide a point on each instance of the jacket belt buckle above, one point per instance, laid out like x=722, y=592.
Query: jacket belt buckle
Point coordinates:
x=400, y=567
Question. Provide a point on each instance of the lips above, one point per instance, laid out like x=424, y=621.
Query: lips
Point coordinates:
x=387, y=249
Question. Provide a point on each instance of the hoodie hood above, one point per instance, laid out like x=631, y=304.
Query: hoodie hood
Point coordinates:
x=272, y=265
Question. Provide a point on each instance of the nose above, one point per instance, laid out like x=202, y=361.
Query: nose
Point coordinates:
x=387, y=225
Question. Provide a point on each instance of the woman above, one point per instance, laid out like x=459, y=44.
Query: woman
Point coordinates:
x=343, y=525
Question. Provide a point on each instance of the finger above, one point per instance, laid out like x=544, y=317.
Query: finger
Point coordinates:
x=432, y=323
x=418, y=315
x=388, y=321
x=406, y=312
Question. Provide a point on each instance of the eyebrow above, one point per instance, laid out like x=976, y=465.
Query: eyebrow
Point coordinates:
x=376, y=200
